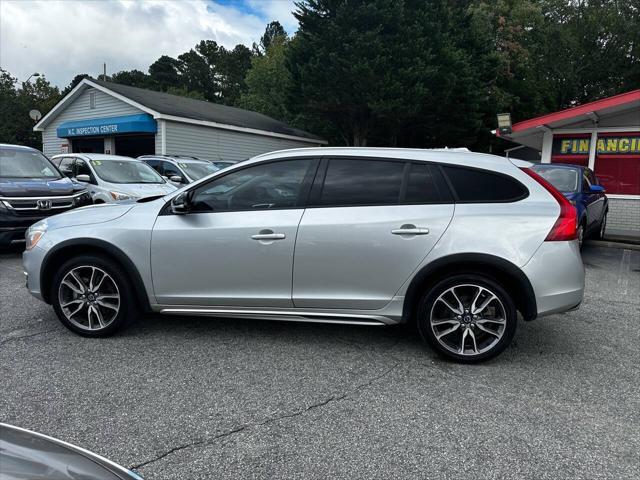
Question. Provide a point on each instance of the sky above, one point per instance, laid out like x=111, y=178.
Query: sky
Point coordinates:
x=62, y=38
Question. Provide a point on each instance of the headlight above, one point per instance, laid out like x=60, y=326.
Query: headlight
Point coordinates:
x=34, y=234
x=83, y=198
x=120, y=196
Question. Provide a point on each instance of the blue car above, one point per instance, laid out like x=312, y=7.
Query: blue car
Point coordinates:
x=581, y=187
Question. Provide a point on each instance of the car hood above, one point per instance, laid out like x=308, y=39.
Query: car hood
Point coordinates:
x=38, y=187
x=140, y=190
x=88, y=215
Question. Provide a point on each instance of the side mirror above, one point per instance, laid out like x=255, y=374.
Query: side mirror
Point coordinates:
x=597, y=189
x=176, y=178
x=83, y=178
x=181, y=204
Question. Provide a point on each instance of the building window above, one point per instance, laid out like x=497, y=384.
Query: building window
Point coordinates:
x=92, y=100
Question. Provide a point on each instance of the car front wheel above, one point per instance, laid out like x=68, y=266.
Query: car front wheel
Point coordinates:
x=92, y=296
x=468, y=318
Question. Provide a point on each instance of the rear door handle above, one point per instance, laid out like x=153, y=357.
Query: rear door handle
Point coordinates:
x=269, y=236
x=410, y=230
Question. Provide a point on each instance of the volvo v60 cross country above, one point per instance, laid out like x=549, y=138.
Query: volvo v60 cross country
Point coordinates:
x=459, y=243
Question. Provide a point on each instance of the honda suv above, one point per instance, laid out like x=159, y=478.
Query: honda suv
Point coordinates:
x=456, y=242
x=32, y=188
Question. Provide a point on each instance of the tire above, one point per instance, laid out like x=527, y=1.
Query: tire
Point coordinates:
x=466, y=287
x=88, y=305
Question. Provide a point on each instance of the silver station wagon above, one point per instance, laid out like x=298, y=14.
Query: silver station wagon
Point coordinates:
x=459, y=243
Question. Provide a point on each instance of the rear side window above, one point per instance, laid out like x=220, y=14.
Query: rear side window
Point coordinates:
x=426, y=185
x=481, y=186
x=362, y=182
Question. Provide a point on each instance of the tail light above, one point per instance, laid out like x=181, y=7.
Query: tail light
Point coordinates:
x=566, y=226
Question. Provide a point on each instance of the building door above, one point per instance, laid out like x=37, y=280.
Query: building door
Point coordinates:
x=135, y=145
x=87, y=145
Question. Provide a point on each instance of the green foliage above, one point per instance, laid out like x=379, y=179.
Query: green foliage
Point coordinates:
x=15, y=103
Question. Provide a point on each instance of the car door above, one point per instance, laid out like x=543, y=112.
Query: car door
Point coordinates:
x=595, y=201
x=82, y=168
x=368, y=225
x=236, y=245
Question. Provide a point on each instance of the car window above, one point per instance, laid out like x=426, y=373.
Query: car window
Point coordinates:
x=23, y=163
x=586, y=185
x=198, y=170
x=264, y=186
x=564, y=179
x=125, y=171
x=82, y=168
x=155, y=164
x=350, y=182
x=66, y=166
x=426, y=185
x=481, y=186
x=168, y=170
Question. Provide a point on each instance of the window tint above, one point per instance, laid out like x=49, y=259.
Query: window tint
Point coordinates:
x=66, y=166
x=169, y=170
x=155, y=164
x=480, y=186
x=426, y=185
x=265, y=186
x=586, y=186
x=362, y=182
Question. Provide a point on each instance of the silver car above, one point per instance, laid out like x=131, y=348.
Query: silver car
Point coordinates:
x=456, y=242
x=110, y=178
x=179, y=170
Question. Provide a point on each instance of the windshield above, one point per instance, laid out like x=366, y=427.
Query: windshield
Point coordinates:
x=564, y=179
x=125, y=171
x=19, y=163
x=198, y=170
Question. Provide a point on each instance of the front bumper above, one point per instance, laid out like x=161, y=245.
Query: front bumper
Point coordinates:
x=556, y=274
x=31, y=263
x=13, y=228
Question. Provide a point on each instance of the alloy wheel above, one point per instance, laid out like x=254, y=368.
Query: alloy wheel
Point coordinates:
x=89, y=298
x=468, y=319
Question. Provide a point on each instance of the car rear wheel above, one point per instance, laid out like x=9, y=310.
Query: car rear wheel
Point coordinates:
x=468, y=318
x=92, y=296
x=581, y=233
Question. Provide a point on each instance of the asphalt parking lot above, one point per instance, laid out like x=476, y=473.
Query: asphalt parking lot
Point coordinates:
x=191, y=398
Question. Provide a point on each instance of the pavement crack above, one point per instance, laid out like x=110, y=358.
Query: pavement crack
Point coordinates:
x=297, y=413
x=18, y=337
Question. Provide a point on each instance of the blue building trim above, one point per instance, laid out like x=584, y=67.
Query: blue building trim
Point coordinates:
x=142, y=123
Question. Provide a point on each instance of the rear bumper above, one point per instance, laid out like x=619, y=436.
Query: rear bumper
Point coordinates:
x=556, y=274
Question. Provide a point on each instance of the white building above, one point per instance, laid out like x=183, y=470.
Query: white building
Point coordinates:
x=105, y=117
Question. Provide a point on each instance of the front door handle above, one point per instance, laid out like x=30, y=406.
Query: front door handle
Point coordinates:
x=269, y=236
x=410, y=230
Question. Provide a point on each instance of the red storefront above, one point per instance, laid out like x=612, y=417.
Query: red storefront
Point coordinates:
x=604, y=135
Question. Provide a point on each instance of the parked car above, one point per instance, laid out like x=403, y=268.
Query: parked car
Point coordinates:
x=32, y=188
x=223, y=163
x=111, y=178
x=179, y=170
x=456, y=242
x=582, y=188
x=29, y=455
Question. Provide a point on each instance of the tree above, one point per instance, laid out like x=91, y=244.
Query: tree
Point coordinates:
x=15, y=103
x=134, y=78
x=273, y=31
x=164, y=73
x=268, y=81
x=74, y=83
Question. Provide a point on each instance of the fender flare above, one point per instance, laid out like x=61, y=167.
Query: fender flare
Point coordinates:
x=93, y=245
x=506, y=273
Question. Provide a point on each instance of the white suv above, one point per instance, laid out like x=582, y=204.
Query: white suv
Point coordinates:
x=458, y=243
x=111, y=178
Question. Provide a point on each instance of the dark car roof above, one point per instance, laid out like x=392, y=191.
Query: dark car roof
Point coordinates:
x=185, y=107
